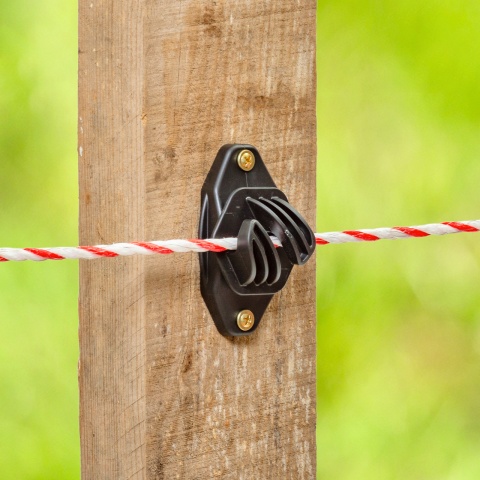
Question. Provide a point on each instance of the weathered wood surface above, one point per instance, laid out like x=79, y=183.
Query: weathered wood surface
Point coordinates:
x=163, y=84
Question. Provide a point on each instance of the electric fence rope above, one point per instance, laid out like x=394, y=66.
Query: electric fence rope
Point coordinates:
x=221, y=245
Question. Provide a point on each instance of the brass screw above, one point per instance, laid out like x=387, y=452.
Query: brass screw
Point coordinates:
x=246, y=160
x=245, y=320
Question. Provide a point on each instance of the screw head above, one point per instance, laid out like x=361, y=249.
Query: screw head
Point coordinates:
x=245, y=320
x=246, y=160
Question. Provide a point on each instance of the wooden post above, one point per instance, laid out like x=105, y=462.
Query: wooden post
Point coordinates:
x=163, y=85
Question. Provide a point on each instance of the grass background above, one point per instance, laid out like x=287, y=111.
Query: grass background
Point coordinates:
x=38, y=207
x=398, y=322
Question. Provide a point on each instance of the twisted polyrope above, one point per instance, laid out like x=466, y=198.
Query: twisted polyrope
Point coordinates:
x=221, y=245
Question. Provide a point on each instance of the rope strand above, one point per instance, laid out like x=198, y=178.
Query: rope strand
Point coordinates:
x=221, y=245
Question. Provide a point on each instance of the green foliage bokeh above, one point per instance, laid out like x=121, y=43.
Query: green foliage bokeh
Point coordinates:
x=398, y=322
x=38, y=198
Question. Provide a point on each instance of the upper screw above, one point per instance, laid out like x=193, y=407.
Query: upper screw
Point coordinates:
x=246, y=160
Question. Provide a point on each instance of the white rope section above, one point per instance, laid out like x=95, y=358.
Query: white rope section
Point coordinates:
x=221, y=245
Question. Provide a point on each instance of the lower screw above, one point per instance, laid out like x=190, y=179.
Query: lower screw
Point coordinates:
x=245, y=320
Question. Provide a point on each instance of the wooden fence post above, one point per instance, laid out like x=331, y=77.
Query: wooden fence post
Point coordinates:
x=163, y=85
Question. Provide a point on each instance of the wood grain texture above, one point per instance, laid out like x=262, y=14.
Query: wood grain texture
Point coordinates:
x=163, y=84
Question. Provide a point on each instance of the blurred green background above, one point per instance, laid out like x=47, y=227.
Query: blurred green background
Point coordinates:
x=38, y=207
x=398, y=322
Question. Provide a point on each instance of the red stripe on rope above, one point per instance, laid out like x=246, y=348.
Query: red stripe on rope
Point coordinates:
x=321, y=241
x=209, y=246
x=463, y=227
x=100, y=251
x=154, y=248
x=44, y=254
x=367, y=237
x=413, y=232
x=4, y=259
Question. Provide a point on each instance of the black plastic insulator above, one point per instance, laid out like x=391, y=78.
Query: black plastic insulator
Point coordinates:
x=280, y=218
x=256, y=259
x=249, y=206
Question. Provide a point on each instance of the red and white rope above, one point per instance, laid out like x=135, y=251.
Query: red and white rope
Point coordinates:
x=396, y=233
x=221, y=245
